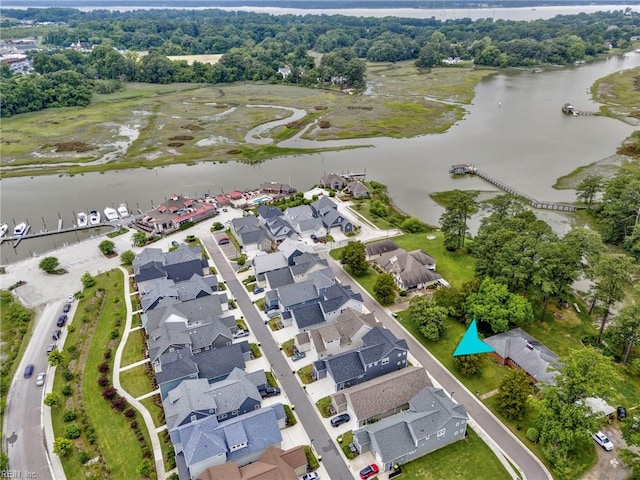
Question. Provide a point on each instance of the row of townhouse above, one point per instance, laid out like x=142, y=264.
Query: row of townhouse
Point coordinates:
x=213, y=407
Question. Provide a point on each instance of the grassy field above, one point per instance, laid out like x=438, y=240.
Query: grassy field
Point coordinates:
x=211, y=59
x=156, y=412
x=155, y=125
x=465, y=459
x=132, y=352
x=135, y=381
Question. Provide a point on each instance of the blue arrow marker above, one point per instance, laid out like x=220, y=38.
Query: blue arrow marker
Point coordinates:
x=471, y=343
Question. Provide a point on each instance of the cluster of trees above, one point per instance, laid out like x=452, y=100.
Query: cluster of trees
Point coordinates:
x=562, y=39
x=31, y=93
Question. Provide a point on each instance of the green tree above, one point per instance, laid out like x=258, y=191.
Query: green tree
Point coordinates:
x=385, y=289
x=49, y=264
x=57, y=357
x=62, y=446
x=625, y=331
x=564, y=419
x=53, y=399
x=589, y=187
x=378, y=208
x=613, y=275
x=495, y=305
x=620, y=211
x=354, y=257
x=140, y=239
x=468, y=365
x=454, y=220
x=413, y=225
x=428, y=316
x=512, y=396
x=87, y=280
x=127, y=257
x=107, y=247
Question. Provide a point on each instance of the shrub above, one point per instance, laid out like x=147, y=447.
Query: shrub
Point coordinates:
x=130, y=413
x=134, y=425
x=119, y=403
x=533, y=434
x=84, y=457
x=62, y=446
x=67, y=390
x=103, y=381
x=107, y=354
x=109, y=393
x=103, y=367
x=115, y=333
x=72, y=431
x=69, y=415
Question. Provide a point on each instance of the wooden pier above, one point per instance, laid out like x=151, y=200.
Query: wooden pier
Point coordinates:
x=463, y=169
x=16, y=239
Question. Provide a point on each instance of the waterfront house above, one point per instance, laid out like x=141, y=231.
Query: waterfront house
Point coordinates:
x=303, y=221
x=276, y=189
x=327, y=211
x=357, y=189
x=380, y=352
x=432, y=421
x=242, y=440
x=273, y=464
x=332, y=181
x=517, y=349
x=383, y=396
x=410, y=270
x=374, y=250
x=179, y=265
x=175, y=212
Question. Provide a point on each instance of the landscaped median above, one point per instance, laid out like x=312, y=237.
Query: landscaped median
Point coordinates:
x=97, y=433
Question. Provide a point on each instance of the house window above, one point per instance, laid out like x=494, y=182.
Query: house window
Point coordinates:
x=385, y=361
x=399, y=354
x=222, y=415
x=234, y=413
x=193, y=418
x=398, y=363
x=457, y=424
x=455, y=433
x=441, y=432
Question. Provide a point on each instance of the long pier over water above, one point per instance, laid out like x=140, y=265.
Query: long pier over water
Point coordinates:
x=16, y=239
x=464, y=169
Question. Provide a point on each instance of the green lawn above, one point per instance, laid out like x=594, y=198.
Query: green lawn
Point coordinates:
x=133, y=350
x=323, y=406
x=115, y=437
x=305, y=374
x=157, y=413
x=491, y=374
x=287, y=347
x=466, y=459
x=135, y=381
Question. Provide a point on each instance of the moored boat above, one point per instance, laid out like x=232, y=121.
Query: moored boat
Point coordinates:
x=3, y=229
x=20, y=229
x=94, y=217
x=83, y=220
x=111, y=213
x=123, y=210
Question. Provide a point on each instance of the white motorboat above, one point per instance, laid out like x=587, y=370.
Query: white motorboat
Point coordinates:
x=20, y=229
x=111, y=214
x=94, y=217
x=83, y=220
x=123, y=210
x=3, y=230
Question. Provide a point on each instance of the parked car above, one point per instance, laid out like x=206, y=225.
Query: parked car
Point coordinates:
x=310, y=476
x=298, y=356
x=174, y=243
x=56, y=334
x=369, y=471
x=71, y=298
x=241, y=333
x=51, y=347
x=622, y=413
x=269, y=392
x=602, y=440
x=29, y=370
x=223, y=241
x=62, y=320
x=66, y=308
x=258, y=290
x=40, y=379
x=340, y=419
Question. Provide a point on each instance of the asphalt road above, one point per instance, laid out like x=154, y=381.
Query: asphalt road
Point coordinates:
x=527, y=462
x=304, y=409
x=24, y=434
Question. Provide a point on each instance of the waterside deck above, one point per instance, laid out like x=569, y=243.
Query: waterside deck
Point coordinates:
x=464, y=169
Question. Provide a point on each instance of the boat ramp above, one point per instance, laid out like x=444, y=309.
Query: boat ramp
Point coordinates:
x=464, y=169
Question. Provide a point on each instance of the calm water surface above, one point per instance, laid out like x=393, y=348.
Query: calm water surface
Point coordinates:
x=514, y=131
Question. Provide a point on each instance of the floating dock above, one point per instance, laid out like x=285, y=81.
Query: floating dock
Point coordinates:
x=464, y=169
x=16, y=239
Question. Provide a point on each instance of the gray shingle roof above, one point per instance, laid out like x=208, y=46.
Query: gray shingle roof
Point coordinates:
x=254, y=236
x=196, y=286
x=175, y=365
x=267, y=262
x=308, y=315
x=214, y=364
x=188, y=397
x=269, y=211
x=310, y=225
x=337, y=295
x=322, y=278
x=527, y=352
x=290, y=247
x=279, y=228
x=345, y=366
x=305, y=262
x=324, y=203
x=153, y=290
x=199, y=310
x=297, y=214
x=383, y=246
x=297, y=293
x=245, y=224
x=278, y=278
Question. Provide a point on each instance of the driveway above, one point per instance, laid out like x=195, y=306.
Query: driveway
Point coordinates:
x=609, y=466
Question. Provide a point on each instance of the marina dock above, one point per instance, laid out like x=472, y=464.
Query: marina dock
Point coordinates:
x=16, y=239
x=464, y=169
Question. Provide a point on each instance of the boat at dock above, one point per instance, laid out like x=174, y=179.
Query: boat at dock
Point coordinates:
x=94, y=217
x=123, y=210
x=111, y=214
x=83, y=220
x=20, y=229
x=3, y=230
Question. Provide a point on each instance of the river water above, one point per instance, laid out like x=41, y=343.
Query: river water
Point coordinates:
x=514, y=130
